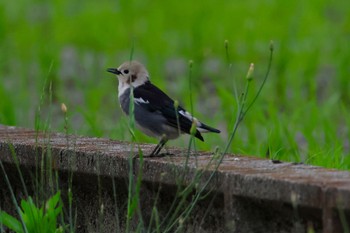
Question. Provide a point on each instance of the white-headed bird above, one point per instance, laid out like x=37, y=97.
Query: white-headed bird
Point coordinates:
x=155, y=112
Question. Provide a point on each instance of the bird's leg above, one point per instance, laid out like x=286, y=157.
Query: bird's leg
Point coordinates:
x=160, y=145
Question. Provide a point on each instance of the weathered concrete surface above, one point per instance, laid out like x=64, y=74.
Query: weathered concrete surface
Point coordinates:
x=248, y=194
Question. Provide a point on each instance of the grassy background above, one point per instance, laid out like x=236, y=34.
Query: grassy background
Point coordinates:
x=302, y=114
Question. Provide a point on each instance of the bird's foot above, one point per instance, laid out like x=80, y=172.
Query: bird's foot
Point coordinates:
x=276, y=161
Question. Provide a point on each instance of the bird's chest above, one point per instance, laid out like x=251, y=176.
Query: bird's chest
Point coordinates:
x=124, y=101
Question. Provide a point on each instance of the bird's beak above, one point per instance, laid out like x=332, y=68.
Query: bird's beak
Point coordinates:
x=114, y=71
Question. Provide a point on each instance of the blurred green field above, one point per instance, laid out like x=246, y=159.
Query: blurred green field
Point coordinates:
x=302, y=115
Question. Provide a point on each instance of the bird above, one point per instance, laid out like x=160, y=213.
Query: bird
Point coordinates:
x=155, y=113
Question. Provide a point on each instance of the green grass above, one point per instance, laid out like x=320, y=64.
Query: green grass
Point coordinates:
x=33, y=218
x=301, y=115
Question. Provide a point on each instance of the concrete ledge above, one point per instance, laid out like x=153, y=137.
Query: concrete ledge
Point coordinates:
x=248, y=194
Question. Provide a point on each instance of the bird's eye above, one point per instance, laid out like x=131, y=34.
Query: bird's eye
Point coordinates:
x=126, y=71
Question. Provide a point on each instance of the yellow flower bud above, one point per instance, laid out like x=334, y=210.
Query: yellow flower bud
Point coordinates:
x=226, y=44
x=250, y=72
x=64, y=108
x=190, y=63
x=271, y=45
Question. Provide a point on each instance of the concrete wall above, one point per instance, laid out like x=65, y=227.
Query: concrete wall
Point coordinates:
x=245, y=194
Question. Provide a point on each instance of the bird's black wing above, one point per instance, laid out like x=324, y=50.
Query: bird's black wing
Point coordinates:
x=153, y=99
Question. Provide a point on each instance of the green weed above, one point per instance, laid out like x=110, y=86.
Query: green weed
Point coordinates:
x=35, y=219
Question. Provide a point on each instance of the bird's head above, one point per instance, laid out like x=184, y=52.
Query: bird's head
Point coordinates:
x=131, y=73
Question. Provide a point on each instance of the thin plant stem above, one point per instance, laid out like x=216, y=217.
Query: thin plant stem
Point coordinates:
x=264, y=80
x=130, y=186
x=130, y=209
x=13, y=197
x=192, y=141
x=39, y=163
x=14, y=156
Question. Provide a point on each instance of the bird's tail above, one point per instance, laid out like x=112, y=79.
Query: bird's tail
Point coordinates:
x=203, y=128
